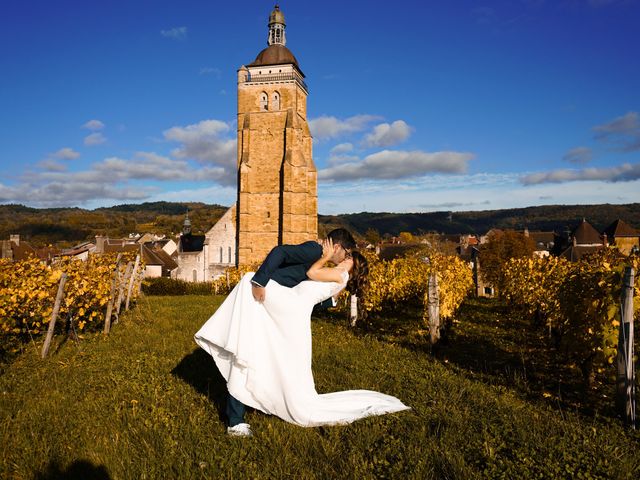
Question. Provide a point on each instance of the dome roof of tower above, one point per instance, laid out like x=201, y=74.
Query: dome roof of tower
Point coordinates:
x=275, y=54
x=276, y=16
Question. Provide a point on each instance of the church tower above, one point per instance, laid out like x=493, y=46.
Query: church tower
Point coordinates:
x=277, y=180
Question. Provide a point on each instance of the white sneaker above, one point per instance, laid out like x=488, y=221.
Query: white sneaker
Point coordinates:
x=240, y=430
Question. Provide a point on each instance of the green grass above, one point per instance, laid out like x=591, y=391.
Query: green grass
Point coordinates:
x=146, y=403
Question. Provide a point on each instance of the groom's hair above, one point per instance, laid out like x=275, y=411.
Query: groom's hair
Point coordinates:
x=343, y=237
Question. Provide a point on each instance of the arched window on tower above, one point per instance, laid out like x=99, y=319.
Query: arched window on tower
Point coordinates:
x=276, y=101
x=264, y=101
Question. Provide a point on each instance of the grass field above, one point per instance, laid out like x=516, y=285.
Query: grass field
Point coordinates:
x=145, y=403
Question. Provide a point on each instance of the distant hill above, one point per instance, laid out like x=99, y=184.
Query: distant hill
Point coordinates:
x=68, y=226
x=543, y=218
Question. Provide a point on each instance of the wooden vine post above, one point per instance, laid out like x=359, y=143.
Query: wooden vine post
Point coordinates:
x=54, y=315
x=433, y=308
x=625, y=387
x=123, y=283
x=112, y=294
x=131, y=280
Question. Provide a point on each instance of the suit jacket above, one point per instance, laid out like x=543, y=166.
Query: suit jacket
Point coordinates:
x=288, y=265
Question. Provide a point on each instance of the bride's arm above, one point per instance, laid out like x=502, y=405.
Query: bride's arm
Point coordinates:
x=319, y=272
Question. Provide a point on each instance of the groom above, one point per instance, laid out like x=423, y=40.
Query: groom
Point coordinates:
x=286, y=265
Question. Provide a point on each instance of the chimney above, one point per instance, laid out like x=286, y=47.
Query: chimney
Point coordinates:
x=15, y=239
x=574, y=241
x=100, y=239
x=526, y=231
x=605, y=240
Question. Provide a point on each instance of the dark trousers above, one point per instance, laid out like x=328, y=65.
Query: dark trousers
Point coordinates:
x=235, y=411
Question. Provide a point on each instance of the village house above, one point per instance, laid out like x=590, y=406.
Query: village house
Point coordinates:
x=585, y=239
x=17, y=250
x=623, y=236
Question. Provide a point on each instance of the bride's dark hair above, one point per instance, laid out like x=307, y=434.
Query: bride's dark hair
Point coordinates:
x=358, y=276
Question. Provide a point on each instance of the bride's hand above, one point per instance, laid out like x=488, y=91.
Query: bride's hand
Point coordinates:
x=327, y=249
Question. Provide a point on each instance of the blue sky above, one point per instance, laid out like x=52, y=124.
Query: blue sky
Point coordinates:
x=414, y=106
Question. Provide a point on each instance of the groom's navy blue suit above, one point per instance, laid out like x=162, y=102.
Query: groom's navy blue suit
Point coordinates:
x=287, y=265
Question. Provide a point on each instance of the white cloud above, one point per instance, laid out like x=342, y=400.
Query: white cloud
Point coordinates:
x=578, y=155
x=206, y=142
x=116, y=178
x=69, y=192
x=93, y=125
x=151, y=166
x=396, y=164
x=623, y=131
x=342, y=159
x=177, y=33
x=478, y=191
x=341, y=148
x=386, y=135
x=52, y=165
x=326, y=127
x=623, y=173
x=94, y=139
x=64, y=154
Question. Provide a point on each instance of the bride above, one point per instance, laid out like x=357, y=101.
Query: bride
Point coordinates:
x=263, y=350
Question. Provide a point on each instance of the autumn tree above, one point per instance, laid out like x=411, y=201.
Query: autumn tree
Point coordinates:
x=372, y=236
x=406, y=237
x=500, y=247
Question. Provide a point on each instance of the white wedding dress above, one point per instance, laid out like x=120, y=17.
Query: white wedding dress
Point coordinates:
x=264, y=353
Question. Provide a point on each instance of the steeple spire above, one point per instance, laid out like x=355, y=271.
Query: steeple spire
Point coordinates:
x=276, y=27
x=186, y=226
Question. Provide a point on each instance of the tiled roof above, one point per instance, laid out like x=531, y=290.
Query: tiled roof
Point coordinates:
x=621, y=229
x=158, y=257
x=585, y=234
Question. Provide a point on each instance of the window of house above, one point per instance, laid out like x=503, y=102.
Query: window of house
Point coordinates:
x=229, y=254
x=220, y=254
x=264, y=101
x=195, y=275
x=276, y=101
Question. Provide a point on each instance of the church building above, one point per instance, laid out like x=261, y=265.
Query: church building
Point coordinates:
x=277, y=200
x=277, y=180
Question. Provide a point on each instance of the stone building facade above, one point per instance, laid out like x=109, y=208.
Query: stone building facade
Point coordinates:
x=220, y=244
x=202, y=258
x=277, y=179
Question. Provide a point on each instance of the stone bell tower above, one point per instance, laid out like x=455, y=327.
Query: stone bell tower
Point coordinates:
x=277, y=180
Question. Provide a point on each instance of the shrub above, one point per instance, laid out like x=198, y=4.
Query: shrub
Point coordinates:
x=171, y=286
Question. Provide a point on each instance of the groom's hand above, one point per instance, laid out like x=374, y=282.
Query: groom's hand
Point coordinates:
x=258, y=293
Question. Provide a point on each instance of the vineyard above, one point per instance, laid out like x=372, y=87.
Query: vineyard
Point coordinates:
x=577, y=303
x=28, y=292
